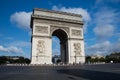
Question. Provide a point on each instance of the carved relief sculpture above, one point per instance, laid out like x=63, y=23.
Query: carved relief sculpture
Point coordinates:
x=58, y=23
x=41, y=29
x=76, y=32
x=77, y=49
x=52, y=28
x=40, y=47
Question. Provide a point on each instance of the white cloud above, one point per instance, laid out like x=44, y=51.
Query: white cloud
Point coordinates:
x=100, y=45
x=21, y=19
x=105, y=20
x=18, y=48
x=104, y=31
x=106, y=16
x=81, y=11
x=3, y=49
x=11, y=49
x=20, y=44
x=103, y=48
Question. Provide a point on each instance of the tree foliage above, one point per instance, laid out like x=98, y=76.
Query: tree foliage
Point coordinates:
x=115, y=57
x=13, y=60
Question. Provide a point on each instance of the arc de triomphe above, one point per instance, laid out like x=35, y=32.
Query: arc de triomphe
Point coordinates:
x=66, y=26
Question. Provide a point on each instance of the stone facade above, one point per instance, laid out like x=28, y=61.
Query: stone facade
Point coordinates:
x=68, y=27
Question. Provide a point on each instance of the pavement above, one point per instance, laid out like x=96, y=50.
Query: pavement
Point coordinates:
x=76, y=72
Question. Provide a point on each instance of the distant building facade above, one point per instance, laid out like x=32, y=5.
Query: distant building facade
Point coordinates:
x=97, y=56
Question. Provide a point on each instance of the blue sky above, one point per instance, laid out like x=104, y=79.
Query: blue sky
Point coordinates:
x=101, y=29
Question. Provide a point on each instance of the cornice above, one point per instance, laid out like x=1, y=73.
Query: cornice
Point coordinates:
x=58, y=12
x=56, y=19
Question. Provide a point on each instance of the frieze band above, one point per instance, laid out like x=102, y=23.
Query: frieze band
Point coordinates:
x=76, y=32
x=41, y=29
x=53, y=28
x=58, y=23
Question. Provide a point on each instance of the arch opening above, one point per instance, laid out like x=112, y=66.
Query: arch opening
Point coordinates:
x=62, y=45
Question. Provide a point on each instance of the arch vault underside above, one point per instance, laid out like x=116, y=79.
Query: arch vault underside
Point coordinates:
x=67, y=27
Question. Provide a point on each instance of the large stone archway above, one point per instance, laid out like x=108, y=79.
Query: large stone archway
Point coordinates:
x=66, y=26
x=62, y=35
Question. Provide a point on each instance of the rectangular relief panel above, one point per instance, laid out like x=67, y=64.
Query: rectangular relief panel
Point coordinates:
x=76, y=32
x=41, y=29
